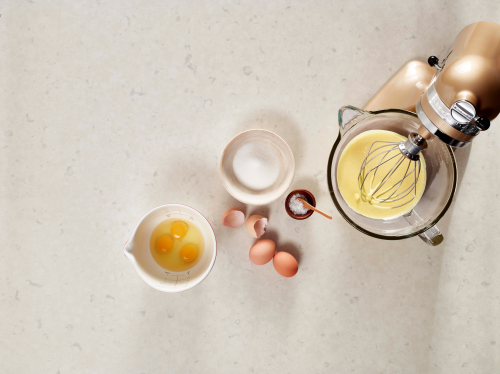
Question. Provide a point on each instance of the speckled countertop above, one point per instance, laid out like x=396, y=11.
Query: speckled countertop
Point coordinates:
x=110, y=108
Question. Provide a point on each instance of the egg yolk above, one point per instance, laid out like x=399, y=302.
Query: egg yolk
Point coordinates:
x=165, y=244
x=189, y=253
x=179, y=230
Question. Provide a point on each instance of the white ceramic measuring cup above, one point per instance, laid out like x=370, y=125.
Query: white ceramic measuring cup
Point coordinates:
x=138, y=252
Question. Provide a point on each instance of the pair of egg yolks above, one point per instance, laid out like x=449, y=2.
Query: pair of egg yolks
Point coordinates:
x=178, y=231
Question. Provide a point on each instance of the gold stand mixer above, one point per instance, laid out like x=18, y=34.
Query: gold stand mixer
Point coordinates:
x=434, y=106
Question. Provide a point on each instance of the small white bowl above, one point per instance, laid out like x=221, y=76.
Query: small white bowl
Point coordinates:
x=238, y=190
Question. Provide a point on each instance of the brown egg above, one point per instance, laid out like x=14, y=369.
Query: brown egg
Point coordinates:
x=256, y=225
x=262, y=251
x=233, y=218
x=285, y=264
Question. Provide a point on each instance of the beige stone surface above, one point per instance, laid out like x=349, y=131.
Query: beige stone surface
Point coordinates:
x=110, y=108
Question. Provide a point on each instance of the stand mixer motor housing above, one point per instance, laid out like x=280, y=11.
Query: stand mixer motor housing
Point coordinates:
x=464, y=96
x=458, y=101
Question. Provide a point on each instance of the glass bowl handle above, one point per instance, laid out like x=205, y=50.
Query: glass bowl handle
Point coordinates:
x=431, y=236
x=349, y=116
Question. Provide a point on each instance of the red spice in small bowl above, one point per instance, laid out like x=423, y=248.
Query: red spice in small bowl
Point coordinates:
x=308, y=197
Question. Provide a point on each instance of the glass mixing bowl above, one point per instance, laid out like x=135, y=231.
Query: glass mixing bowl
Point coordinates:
x=441, y=177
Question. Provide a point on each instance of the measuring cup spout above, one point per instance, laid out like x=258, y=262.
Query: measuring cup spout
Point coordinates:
x=128, y=250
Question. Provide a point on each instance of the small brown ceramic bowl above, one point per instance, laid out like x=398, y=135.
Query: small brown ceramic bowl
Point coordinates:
x=308, y=197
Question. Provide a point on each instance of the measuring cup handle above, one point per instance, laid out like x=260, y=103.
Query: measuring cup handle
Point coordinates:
x=431, y=236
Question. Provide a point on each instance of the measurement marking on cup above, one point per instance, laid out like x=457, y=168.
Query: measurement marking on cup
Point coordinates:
x=166, y=283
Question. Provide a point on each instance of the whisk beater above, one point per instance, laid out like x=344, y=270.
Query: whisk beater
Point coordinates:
x=381, y=180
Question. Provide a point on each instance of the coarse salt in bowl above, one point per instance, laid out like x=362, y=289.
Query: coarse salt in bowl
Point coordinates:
x=286, y=169
x=309, y=197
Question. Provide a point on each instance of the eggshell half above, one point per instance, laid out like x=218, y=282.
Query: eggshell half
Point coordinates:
x=256, y=225
x=262, y=251
x=285, y=264
x=233, y=218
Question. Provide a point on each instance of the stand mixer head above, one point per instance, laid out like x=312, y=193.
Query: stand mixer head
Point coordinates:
x=462, y=98
x=464, y=95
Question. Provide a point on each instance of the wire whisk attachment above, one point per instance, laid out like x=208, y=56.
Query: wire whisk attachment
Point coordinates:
x=390, y=172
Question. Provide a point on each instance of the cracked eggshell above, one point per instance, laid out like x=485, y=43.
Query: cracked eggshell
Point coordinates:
x=256, y=225
x=233, y=218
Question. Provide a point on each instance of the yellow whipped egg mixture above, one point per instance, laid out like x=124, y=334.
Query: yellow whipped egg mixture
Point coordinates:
x=176, y=244
x=349, y=167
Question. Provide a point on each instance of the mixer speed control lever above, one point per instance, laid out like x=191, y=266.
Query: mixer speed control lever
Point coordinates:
x=434, y=62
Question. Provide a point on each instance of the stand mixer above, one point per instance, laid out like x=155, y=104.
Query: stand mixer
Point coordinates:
x=435, y=106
